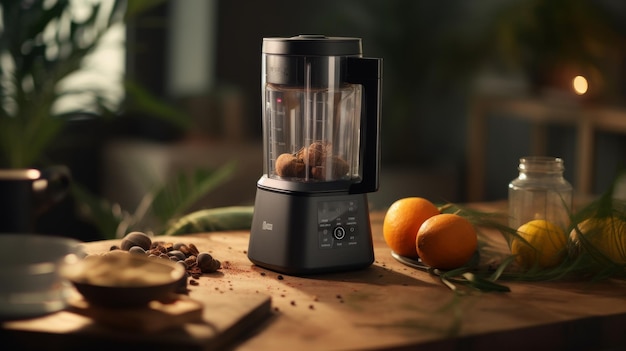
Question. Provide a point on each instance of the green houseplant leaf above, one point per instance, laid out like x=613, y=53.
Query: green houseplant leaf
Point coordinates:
x=176, y=196
x=163, y=208
x=42, y=45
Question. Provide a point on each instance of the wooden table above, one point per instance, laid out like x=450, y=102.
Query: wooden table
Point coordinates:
x=388, y=306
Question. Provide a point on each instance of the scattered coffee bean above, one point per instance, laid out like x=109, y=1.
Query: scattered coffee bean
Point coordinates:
x=195, y=262
x=178, y=254
x=193, y=250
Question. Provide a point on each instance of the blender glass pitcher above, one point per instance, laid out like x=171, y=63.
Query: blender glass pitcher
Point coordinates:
x=314, y=131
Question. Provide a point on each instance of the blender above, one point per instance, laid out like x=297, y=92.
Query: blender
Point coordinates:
x=321, y=146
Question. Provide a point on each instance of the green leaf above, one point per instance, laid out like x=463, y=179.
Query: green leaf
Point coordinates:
x=482, y=284
x=464, y=276
x=135, y=7
x=26, y=114
x=181, y=192
x=167, y=202
x=215, y=219
x=142, y=100
x=98, y=211
x=505, y=263
x=446, y=281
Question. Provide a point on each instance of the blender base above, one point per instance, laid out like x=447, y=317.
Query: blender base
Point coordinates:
x=300, y=234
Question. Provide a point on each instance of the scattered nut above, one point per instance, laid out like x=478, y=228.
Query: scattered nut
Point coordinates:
x=188, y=255
x=193, y=250
x=137, y=250
x=177, y=254
x=207, y=263
x=288, y=165
x=136, y=239
x=316, y=160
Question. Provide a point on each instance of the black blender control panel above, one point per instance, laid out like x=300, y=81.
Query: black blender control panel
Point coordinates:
x=337, y=224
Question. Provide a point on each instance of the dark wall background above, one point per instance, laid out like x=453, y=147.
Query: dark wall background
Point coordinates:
x=433, y=53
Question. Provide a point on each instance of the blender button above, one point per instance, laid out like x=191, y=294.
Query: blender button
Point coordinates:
x=339, y=233
x=326, y=243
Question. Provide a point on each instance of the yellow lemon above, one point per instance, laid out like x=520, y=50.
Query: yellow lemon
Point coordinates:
x=607, y=235
x=547, y=244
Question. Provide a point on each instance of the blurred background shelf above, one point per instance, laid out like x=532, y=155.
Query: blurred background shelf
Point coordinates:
x=587, y=119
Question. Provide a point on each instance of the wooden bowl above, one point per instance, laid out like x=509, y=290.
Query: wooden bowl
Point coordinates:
x=120, y=279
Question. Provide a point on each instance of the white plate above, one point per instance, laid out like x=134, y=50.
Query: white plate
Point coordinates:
x=30, y=274
x=34, y=304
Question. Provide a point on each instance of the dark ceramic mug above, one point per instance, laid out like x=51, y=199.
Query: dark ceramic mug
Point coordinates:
x=26, y=193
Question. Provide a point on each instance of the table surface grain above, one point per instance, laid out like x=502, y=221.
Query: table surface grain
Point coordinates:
x=393, y=306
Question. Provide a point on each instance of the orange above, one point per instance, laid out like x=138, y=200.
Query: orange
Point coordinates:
x=446, y=241
x=402, y=221
x=547, y=244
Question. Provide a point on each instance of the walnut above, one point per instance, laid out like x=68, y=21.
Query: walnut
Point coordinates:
x=288, y=165
x=338, y=168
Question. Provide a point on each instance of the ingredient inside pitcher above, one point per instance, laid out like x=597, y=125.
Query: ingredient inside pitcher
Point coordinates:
x=315, y=161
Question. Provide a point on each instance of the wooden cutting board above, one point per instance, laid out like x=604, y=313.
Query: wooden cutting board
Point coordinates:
x=157, y=316
x=207, y=319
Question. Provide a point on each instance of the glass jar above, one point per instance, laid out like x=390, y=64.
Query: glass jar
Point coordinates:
x=540, y=192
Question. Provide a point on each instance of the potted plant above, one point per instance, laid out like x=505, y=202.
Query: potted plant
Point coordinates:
x=44, y=47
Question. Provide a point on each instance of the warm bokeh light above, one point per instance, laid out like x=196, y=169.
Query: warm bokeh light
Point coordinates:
x=580, y=85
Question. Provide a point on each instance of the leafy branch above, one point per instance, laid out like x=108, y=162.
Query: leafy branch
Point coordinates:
x=582, y=258
x=158, y=210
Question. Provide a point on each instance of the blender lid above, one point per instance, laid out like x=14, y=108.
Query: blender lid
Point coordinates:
x=313, y=45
